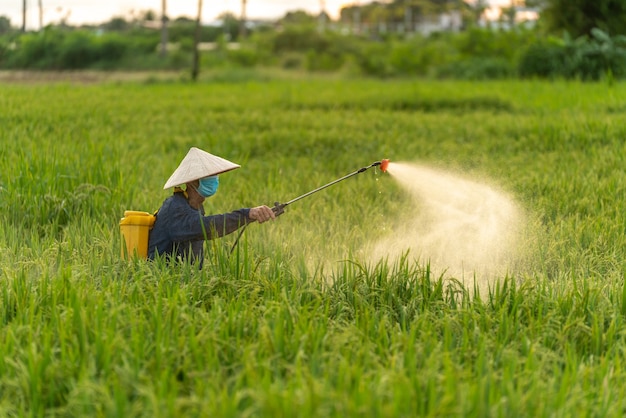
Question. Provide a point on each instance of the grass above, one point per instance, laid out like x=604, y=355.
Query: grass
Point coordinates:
x=298, y=321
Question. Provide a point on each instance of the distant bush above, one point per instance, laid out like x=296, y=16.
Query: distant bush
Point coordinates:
x=484, y=43
x=419, y=56
x=4, y=50
x=244, y=57
x=324, y=61
x=78, y=50
x=112, y=48
x=586, y=58
x=143, y=44
x=299, y=38
x=372, y=59
x=304, y=46
x=477, y=69
x=36, y=51
x=599, y=55
x=473, y=54
x=57, y=49
x=292, y=61
x=544, y=59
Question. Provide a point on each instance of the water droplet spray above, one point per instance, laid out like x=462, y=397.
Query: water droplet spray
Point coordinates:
x=465, y=229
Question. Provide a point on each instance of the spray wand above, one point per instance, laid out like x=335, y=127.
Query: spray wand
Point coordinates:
x=279, y=208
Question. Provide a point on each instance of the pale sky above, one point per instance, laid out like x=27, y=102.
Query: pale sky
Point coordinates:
x=98, y=11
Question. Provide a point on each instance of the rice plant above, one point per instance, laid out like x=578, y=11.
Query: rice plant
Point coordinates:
x=298, y=319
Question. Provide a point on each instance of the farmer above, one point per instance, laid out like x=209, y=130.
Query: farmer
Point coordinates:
x=181, y=227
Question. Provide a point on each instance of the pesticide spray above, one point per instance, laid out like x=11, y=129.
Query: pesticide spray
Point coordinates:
x=465, y=229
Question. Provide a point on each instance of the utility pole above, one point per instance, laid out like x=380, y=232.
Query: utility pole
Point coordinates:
x=242, y=21
x=23, y=15
x=40, y=14
x=322, y=20
x=196, y=53
x=164, y=28
x=408, y=19
x=357, y=18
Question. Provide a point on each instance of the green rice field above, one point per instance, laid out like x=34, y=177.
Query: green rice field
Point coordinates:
x=300, y=320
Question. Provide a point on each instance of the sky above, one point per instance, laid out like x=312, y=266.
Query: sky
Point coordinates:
x=98, y=11
x=79, y=12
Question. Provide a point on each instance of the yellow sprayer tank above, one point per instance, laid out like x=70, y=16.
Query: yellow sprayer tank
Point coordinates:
x=135, y=227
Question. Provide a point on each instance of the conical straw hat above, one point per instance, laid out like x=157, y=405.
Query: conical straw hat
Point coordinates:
x=198, y=164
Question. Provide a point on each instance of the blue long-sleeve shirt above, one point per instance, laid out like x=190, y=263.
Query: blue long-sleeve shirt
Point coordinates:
x=180, y=230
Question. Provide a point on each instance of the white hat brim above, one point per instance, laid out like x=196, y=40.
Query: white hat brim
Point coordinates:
x=198, y=164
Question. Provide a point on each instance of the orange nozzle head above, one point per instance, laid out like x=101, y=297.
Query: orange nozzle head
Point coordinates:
x=383, y=165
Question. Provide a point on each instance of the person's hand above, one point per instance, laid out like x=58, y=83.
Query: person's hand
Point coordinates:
x=261, y=214
x=278, y=208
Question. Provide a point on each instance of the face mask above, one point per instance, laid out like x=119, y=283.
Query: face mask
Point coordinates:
x=208, y=186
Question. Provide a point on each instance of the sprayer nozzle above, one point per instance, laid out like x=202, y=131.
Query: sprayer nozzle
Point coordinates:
x=383, y=165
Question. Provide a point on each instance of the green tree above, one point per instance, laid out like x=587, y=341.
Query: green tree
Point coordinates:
x=298, y=17
x=117, y=24
x=5, y=25
x=579, y=17
x=230, y=24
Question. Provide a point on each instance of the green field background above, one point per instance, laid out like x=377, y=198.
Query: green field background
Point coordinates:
x=299, y=321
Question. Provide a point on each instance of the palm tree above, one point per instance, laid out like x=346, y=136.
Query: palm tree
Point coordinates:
x=164, y=28
x=196, y=53
x=356, y=18
x=40, y=14
x=242, y=21
x=479, y=8
x=23, y=15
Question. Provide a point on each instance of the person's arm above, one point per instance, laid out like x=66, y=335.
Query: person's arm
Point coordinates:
x=227, y=223
x=189, y=225
x=219, y=225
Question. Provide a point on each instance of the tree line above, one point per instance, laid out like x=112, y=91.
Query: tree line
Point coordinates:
x=572, y=39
